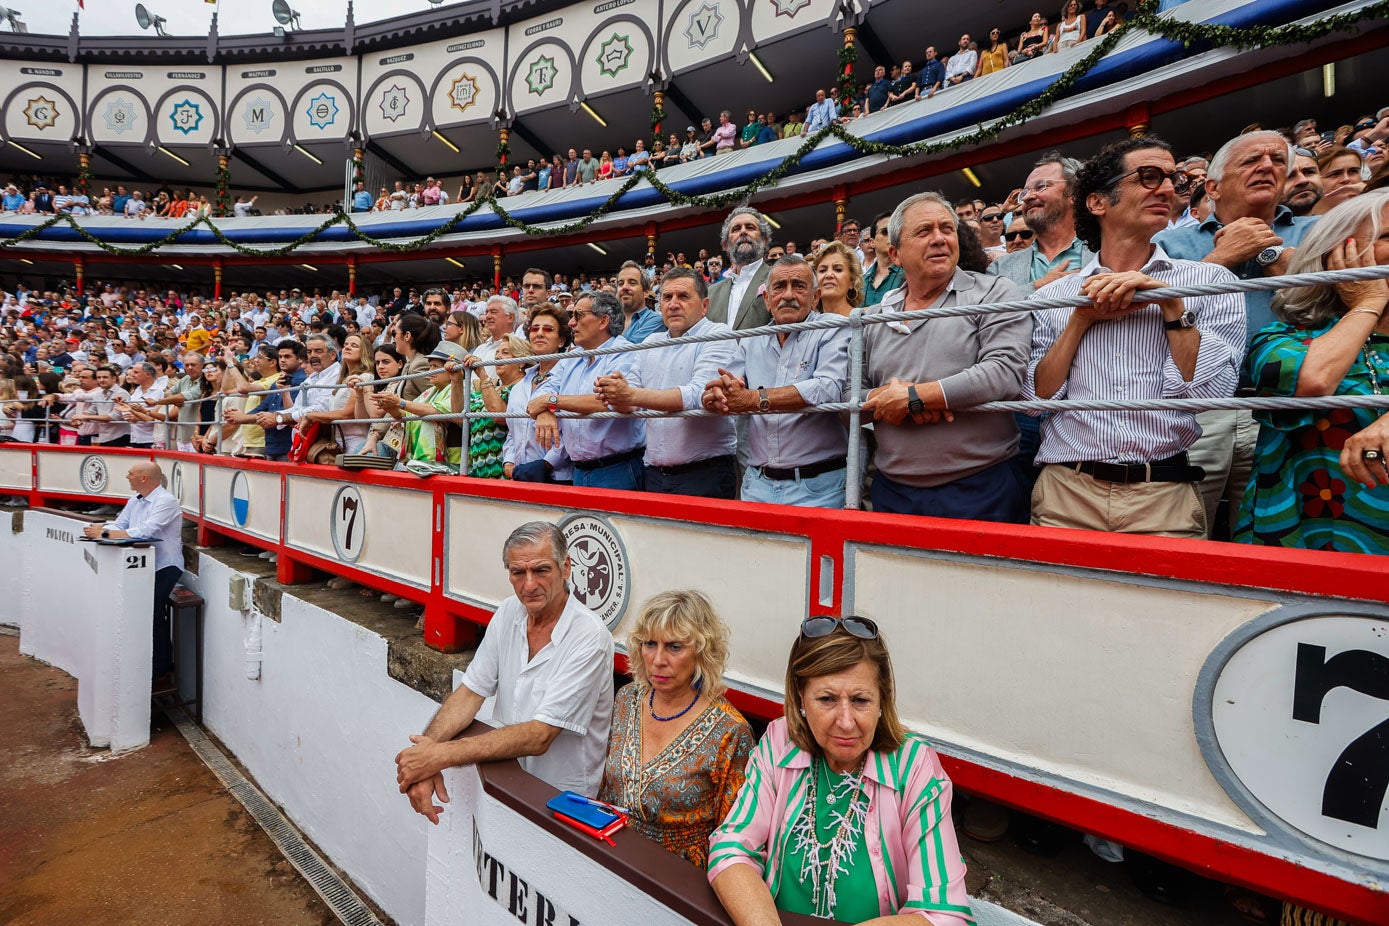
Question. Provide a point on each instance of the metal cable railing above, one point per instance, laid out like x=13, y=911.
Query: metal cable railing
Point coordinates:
x=855, y=323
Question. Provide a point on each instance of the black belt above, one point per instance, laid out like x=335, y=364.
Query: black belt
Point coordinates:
x=610, y=460
x=807, y=471
x=1172, y=469
x=706, y=463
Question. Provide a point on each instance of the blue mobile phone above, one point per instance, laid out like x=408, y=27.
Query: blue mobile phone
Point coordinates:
x=576, y=807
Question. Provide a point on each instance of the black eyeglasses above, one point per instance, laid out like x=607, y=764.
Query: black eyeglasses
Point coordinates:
x=861, y=627
x=991, y=217
x=1151, y=178
x=1025, y=235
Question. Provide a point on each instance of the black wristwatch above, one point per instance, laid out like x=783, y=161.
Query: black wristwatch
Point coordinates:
x=1186, y=320
x=914, y=404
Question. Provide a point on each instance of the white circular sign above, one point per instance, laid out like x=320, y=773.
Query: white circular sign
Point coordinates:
x=1300, y=715
x=599, y=573
x=94, y=475
x=176, y=481
x=240, y=499
x=347, y=521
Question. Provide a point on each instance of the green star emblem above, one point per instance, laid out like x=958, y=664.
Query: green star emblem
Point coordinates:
x=541, y=76
x=614, y=55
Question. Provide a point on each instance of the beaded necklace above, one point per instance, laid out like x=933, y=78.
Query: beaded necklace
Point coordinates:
x=1378, y=367
x=823, y=862
x=651, y=706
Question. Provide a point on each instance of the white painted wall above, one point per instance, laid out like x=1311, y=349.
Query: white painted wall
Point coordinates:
x=319, y=731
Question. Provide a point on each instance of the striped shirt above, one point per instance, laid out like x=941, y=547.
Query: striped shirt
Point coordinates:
x=910, y=839
x=1128, y=358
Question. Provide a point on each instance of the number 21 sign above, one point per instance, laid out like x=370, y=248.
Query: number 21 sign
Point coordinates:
x=1300, y=717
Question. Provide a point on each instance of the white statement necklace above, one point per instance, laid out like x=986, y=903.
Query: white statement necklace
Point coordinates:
x=823, y=862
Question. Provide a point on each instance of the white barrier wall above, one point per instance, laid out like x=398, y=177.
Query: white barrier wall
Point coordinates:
x=319, y=731
x=88, y=611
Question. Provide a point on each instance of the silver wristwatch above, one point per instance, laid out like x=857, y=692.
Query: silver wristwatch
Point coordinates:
x=1269, y=256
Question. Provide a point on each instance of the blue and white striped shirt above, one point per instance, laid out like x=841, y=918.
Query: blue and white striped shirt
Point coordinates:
x=1128, y=358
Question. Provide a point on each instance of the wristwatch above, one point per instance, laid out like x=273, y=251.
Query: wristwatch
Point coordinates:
x=1186, y=320
x=764, y=401
x=914, y=404
x=105, y=533
x=553, y=401
x=279, y=419
x=1269, y=256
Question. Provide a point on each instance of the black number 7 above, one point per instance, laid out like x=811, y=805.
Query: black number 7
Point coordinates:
x=1355, y=787
x=349, y=504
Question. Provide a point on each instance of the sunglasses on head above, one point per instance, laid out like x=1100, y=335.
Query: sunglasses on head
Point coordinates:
x=1305, y=152
x=1025, y=235
x=861, y=627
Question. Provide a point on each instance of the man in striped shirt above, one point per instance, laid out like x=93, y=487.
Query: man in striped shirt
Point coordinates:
x=1128, y=471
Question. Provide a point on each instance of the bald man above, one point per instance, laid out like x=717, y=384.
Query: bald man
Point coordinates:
x=152, y=514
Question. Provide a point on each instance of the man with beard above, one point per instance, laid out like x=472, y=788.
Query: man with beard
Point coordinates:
x=640, y=320
x=737, y=300
x=1047, y=212
x=1304, y=188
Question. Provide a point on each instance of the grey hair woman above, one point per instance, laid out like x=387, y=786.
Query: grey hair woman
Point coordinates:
x=1320, y=474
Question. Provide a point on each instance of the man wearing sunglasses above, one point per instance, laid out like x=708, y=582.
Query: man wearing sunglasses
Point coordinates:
x=1253, y=235
x=1129, y=472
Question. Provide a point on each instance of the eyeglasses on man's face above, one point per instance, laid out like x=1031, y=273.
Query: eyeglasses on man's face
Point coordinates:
x=1151, y=178
x=1025, y=234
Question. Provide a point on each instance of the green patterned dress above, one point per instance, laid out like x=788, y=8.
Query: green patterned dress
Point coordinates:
x=485, y=438
x=1298, y=496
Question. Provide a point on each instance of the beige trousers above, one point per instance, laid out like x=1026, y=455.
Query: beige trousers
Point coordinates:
x=1066, y=498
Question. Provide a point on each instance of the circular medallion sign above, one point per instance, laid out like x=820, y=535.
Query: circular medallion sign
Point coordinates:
x=347, y=521
x=1300, y=717
x=240, y=499
x=176, y=481
x=599, y=573
x=94, y=475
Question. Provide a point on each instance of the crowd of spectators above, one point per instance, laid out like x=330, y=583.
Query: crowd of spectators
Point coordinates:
x=128, y=367
x=124, y=365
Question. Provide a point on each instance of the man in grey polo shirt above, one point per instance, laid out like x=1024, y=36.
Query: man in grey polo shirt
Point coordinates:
x=931, y=460
x=792, y=459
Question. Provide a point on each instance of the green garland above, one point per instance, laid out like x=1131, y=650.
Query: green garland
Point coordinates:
x=847, y=88
x=223, y=206
x=503, y=151
x=658, y=115
x=84, y=176
x=1141, y=18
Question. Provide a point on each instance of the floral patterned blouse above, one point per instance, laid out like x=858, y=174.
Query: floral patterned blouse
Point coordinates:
x=687, y=789
x=1298, y=496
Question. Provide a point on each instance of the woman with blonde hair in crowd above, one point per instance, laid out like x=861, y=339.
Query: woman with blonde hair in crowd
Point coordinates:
x=1321, y=475
x=463, y=329
x=343, y=407
x=677, y=749
x=839, y=278
x=385, y=436
x=226, y=380
x=487, y=436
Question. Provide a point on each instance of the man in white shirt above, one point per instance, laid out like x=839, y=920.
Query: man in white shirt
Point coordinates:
x=546, y=662
x=109, y=430
x=960, y=67
x=136, y=410
x=324, y=370
x=684, y=456
x=152, y=514
x=499, y=321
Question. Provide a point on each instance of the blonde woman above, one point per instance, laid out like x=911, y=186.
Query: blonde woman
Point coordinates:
x=839, y=279
x=342, y=407
x=225, y=378
x=677, y=748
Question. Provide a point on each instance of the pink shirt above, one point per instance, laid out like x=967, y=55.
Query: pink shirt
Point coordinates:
x=724, y=135
x=911, y=841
